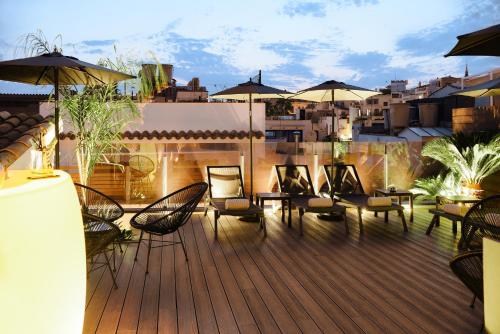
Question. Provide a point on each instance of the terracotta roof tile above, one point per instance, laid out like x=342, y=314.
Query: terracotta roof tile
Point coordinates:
x=207, y=134
x=16, y=132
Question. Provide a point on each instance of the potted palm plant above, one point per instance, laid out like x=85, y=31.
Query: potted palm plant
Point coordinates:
x=470, y=164
x=97, y=115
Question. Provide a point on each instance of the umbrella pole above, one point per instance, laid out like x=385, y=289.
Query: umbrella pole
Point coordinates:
x=250, y=133
x=333, y=143
x=56, y=100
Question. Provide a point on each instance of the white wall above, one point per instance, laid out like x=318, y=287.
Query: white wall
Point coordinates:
x=191, y=116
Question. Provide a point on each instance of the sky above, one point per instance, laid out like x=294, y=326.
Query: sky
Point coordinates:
x=296, y=44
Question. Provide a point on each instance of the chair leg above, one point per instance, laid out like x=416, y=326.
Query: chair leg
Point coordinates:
x=345, y=223
x=454, y=227
x=149, y=252
x=431, y=225
x=386, y=216
x=138, y=245
x=472, y=302
x=301, y=214
x=216, y=217
x=110, y=270
x=263, y=222
x=360, y=220
x=403, y=220
x=182, y=243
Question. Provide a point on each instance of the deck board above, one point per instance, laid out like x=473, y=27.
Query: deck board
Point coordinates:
x=383, y=281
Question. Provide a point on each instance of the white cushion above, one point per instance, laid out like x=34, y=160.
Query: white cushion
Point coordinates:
x=237, y=204
x=379, y=201
x=455, y=209
x=325, y=202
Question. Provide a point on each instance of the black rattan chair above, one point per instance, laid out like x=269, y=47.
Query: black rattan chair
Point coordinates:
x=347, y=188
x=468, y=267
x=99, y=212
x=141, y=168
x=226, y=182
x=167, y=215
x=296, y=181
x=482, y=220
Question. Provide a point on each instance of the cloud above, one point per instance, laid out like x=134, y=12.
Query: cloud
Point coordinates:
x=315, y=9
x=102, y=42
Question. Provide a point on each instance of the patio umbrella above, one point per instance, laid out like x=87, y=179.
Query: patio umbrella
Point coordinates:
x=250, y=91
x=489, y=88
x=331, y=91
x=485, y=42
x=56, y=69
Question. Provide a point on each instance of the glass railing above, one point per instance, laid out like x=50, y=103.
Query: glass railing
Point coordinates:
x=149, y=171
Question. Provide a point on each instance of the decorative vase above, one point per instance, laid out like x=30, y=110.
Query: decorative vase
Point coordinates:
x=41, y=161
x=36, y=160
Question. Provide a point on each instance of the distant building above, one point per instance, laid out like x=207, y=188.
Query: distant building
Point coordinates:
x=28, y=104
x=192, y=92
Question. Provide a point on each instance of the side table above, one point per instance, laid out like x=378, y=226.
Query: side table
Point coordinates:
x=277, y=196
x=399, y=193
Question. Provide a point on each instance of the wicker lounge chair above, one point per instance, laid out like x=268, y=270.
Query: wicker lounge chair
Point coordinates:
x=296, y=181
x=167, y=215
x=99, y=212
x=347, y=188
x=482, y=220
x=226, y=182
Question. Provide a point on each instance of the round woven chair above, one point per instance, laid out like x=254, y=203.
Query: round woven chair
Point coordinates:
x=99, y=212
x=141, y=168
x=482, y=220
x=468, y=267
x=167, y=215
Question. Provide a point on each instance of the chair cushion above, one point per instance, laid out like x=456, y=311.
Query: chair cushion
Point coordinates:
x=237, y=204
x=379, y=201
x=455, y=209
x=320, y=202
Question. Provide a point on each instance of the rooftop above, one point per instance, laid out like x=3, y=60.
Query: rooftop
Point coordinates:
x=382, y=282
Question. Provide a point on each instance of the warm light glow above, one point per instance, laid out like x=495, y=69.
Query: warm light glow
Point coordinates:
x=491, y=259
x=42, y=256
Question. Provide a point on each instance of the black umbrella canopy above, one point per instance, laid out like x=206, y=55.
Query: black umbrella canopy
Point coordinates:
x=330, y=91
x=485, y=42
x=343, y=92
x=57, y=69
x=249, y=91
x=39, y=70
x=259, y=91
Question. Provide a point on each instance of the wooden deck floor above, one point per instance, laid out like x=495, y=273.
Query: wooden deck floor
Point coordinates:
x=384, y=281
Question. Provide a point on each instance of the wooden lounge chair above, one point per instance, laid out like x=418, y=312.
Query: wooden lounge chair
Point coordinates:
x=296, y=181
x=348, y=190
x=226, y=182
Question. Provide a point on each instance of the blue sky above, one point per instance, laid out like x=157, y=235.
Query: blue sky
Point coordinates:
x=296, y=43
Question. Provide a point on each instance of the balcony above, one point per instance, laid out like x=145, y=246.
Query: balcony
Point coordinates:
x=382, y=282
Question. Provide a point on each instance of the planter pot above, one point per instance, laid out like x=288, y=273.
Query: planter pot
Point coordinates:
x=472, y=189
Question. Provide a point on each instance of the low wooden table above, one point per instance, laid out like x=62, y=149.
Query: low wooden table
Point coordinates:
x=277, y=196
x=399, y=193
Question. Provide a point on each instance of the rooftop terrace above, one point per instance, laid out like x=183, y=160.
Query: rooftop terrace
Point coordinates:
x=384, y=281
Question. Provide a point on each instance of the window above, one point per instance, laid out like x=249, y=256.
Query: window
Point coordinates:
x=386, y=104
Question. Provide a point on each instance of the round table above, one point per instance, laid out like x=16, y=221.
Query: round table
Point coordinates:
x=42, y=255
